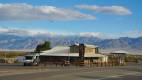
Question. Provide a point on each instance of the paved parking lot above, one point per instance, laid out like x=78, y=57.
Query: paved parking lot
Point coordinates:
x=19, y=72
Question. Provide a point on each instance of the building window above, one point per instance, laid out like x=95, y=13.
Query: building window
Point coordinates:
x=96, y=50
x=74, y=49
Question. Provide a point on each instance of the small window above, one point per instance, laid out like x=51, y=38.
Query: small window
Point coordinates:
x=29, y=57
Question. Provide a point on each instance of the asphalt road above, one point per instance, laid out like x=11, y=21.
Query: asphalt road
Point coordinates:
x=18, y=72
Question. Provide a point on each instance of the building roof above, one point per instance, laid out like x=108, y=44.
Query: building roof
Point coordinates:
x=87, y=45
x=58, y=49
x=94, y=55
x=60, y=54
x=91, y=46
x=72, y=55
x=65, y=51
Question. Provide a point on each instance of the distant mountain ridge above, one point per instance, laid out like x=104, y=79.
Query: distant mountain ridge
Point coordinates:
x=15, y=42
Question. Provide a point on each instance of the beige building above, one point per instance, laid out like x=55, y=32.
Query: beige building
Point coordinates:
x=89, y=49
x=72, y=53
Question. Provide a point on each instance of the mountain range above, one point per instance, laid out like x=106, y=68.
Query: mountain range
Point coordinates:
x=26, y=42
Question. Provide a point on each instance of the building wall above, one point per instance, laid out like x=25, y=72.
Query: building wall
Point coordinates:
x=75, y=49
x=104, y=59
x=90, y=50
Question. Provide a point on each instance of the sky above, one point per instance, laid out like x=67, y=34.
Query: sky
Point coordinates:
x=95, y=17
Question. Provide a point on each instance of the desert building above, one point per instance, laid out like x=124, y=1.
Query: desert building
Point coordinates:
x=118, y=57
x=73, y=54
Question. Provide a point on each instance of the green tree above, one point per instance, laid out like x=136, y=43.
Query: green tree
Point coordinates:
x=42, y=47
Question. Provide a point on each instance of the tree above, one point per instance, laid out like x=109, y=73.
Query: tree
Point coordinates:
x=42, y=47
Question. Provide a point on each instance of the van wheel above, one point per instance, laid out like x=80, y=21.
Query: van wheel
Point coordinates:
x=25, y=64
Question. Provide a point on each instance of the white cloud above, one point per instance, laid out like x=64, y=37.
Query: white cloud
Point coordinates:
x=28, y=12
x=93, y=34
x=21, y=32
x=117, y=10
x=29, y=32
x=2, y=30
x=130, y=34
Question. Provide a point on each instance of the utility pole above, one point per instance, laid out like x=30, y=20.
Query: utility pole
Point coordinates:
x=4, y=55
x=81, y=54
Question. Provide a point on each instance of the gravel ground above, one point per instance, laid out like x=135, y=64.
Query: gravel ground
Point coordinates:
x=19, y=72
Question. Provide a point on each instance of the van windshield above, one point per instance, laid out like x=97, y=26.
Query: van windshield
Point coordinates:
x=29, y=57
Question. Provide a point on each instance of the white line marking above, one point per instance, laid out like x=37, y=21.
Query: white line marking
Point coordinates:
x=118, y=76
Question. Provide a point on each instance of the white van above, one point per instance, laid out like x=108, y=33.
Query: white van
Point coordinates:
x=32, y=59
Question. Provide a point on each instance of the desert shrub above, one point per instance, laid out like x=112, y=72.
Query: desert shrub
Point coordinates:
x=11, y=54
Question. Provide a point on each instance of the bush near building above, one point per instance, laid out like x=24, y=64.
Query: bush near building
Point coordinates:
x=42, y=47
x=11, y=54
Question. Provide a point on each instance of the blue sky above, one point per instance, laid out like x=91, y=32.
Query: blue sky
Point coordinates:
x=80, y=16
